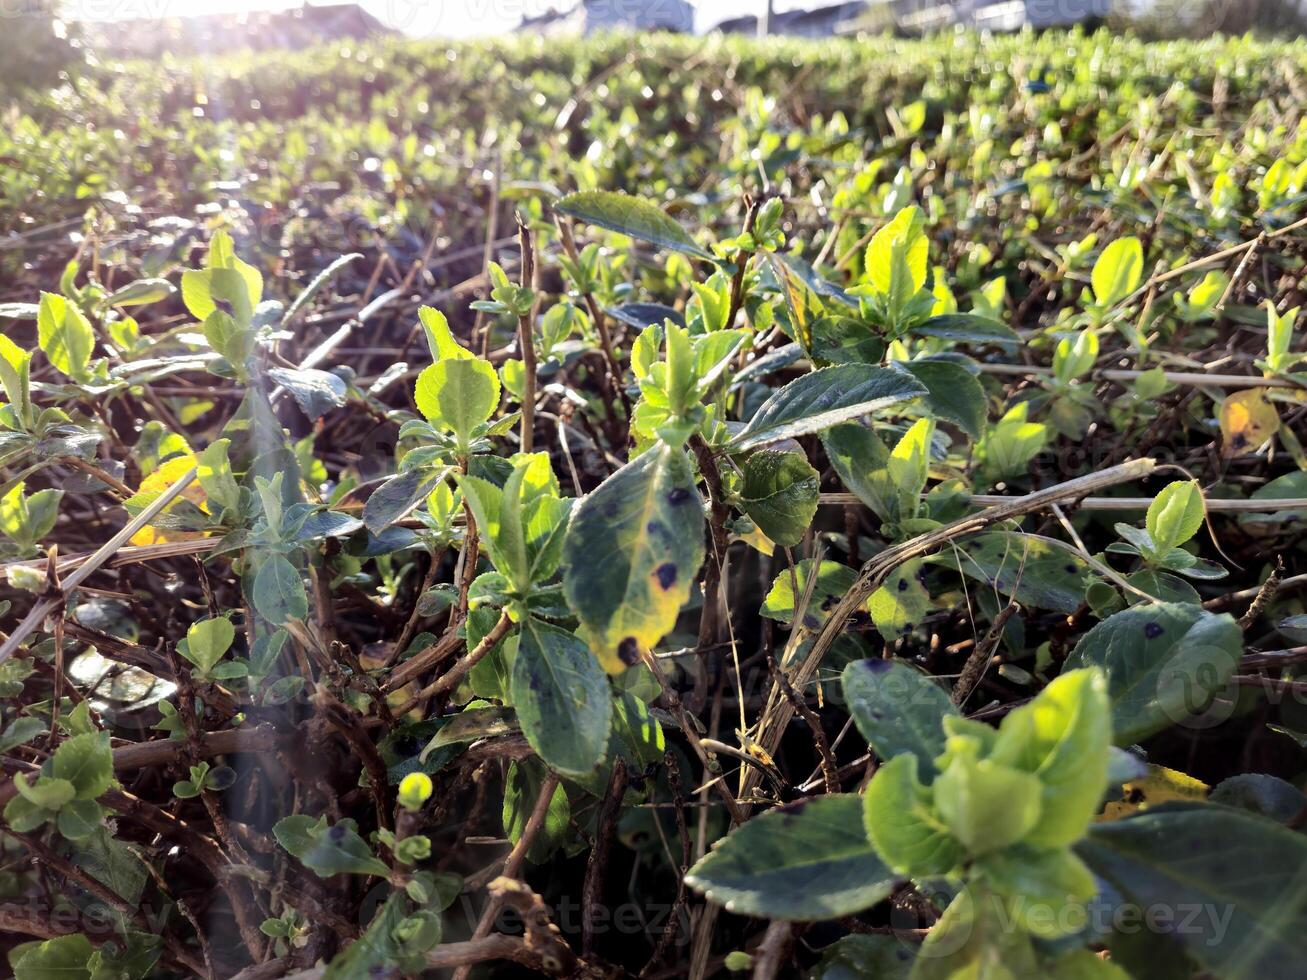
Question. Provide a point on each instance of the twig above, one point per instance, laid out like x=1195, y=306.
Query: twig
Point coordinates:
x=974, y=669
x=1113, y=503
x=1195, y=378
x=1264, y=595
x=877, y=569
x=450, y=680
x=773, y=949
x=592, y=891
x=526, y=337
x=829, y=768
x=516, y=858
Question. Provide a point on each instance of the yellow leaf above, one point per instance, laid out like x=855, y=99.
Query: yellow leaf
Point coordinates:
x=1161, y=785
x=1247, y=419
x=159, y=481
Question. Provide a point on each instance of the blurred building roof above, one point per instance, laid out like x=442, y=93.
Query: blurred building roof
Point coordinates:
x=819, y=20
x=222, y=33
x=590, y=16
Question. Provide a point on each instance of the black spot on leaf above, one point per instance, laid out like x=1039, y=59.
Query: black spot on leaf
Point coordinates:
x=629, y=651
x=678, y=495
x=1153, y=630
x=666, y=573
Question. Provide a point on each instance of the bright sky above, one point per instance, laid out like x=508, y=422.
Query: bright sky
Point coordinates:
x=448, y=18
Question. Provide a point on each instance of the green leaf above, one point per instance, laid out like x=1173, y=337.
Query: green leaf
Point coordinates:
x=865, y=957
x=975, y=940
x=79, y=819
x=630, y=216
x=908, y=466
x=20, y=731
x=229, y=338
x=522, y=788
x=562, y=698
x=112, y=863
x=953, y=393
x=898, y=710
x=141, y=292
x=901, y=823
x=279, y=592
x=1164, y=662
x=45, y=792
x=86, y=761
x=1031, y=571
x=1010, y=444
x=61, y=958
x=65, y=335
x=1118, y=270
x=968, y=328
x=1064, y=738
x=215, y=475
x=1175, y=515
x=315, y=392
x=824, y=398
x=439, y=337
x=779, y=494
x=1245, y=869
x=328, y=850
x=395, y=498
x=861, y=460
x=1042, y=887
x=459, y=394
x=630, y=555
x=206, y=641
x=499, y=519
x=806, y=861
x=374, y=950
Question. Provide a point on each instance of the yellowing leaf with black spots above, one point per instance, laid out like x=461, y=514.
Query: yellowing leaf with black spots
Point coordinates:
x=1248, y=419
x=631, y=552
x=901, y=603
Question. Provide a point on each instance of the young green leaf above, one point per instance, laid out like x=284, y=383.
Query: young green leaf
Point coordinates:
x=86, y=761
x=65, y=335
x=902, y=825
x=278, y=593
x=1175, y=515
x=1063, y=737
x=1118, y=270
x=896, y=259
x=206, y=642
x=458, y=393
